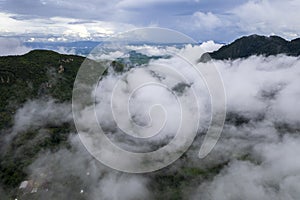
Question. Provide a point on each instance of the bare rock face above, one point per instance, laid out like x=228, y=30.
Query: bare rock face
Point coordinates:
x=61, y=69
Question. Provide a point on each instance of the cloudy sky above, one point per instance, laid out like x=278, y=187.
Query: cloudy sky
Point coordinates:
x=218, y=20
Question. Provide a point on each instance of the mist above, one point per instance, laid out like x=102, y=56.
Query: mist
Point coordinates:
x=12, y=47
x=257, y=153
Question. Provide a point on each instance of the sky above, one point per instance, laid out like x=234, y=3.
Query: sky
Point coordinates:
x=203, y=20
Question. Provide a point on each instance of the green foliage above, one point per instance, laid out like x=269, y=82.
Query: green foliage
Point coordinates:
x=255, y=45
x=117, y=66
x=33, y=75
x=171, y=185
x=250, y=158
x=29, y=79
x=206, y=173
x=25, y=148
x=136, y=58
x=11, y=174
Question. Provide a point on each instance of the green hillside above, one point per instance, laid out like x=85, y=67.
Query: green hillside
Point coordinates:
x=38, y=74
x=255, y=45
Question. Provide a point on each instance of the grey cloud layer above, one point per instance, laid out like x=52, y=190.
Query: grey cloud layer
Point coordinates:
x=203, y=20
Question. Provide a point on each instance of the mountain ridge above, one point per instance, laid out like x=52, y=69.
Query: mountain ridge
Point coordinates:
x=247, y=46
x=43, y=75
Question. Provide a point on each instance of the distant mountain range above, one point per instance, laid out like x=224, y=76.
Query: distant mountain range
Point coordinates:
x=78, y=48
x=84, y=48
x=254, y=45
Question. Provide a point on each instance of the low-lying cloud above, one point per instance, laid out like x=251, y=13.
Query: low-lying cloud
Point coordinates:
x=11, y=46
x=258, y=151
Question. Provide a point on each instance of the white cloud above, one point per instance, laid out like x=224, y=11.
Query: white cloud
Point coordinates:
x=9, y=46
x=269, y=88
x=205, y=21
x=122, y=187
x=256, y=85
x=220, y=22
x=59, y=28
x=255, y=16
x=276, y=178
x=210, y=46
x=267, y=17
x=74, y=173
x=40, y=113
x=63, y=50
